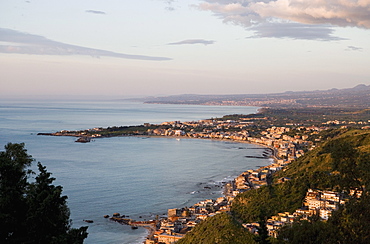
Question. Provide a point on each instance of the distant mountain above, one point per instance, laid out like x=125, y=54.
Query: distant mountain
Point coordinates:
x=356, y=97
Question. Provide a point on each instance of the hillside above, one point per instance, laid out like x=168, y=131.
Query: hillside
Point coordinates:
x=342, y=163
x=222, y=229
x=356, y=97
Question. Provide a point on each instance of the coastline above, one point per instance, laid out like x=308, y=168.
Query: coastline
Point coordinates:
x=213, y=139
x=247, y=180
x=226, y=191
x=228, y=187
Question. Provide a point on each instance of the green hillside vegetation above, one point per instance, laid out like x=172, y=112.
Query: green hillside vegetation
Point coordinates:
x=342, y=163
x=348, y=225
x=259, y=204
x=316, y=170
x=125, y=130
x=221, y=229
x=336, y=164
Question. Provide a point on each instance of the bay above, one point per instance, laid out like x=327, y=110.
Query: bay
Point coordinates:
x=135, y=176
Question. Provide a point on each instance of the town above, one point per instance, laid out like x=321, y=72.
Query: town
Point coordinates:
x=281, y=143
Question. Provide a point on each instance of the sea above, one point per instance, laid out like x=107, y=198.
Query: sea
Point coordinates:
x=140, y=177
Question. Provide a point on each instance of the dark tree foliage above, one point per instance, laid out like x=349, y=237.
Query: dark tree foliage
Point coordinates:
x=262, y=237
x=348, y=225
x=351, y=222
x=350, y=162
x=262, y=203
x=32, y=212
x=13, y=186
x=307, y=232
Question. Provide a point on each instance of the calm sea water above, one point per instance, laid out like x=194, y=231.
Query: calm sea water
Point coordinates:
x=139, y=177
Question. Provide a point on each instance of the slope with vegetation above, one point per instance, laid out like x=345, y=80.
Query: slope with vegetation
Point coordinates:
x=342, y=163
x=222, y=228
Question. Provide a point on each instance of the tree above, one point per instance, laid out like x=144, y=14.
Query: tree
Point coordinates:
x=13, y=185
x=351, y=221
x=351, y=163
x=32, y=212
x=308, y=232
x=262, y=237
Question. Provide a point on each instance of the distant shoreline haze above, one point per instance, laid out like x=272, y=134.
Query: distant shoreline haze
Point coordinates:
x=358, y=96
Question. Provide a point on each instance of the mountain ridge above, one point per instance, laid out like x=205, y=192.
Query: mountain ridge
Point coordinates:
x=355, y=97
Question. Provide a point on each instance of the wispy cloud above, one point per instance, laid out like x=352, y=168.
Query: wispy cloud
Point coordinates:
x=319, y=12
x=95, y=12
x=294, y=31
x=193, y=41
x=353, y=48
x=12, y=41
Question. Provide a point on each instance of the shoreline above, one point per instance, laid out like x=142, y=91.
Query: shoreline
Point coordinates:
x=151, y=230
x=228, y=187
x=91, y=138
x=273, y=156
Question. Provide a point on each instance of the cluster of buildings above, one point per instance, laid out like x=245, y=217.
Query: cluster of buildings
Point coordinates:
x=179, y=221
x=317, y=202
x=282, y=148
x=281, y=143
x=252, y=179
x=263, y=102
x=343, y=122
x=210, y=129
x=285, y=147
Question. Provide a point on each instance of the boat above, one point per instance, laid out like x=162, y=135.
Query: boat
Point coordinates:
x=89, y=221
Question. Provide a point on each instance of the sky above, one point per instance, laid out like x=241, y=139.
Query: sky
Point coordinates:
x=124, y=48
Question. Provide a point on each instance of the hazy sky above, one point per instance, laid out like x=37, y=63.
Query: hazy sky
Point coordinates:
x=126, y=48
